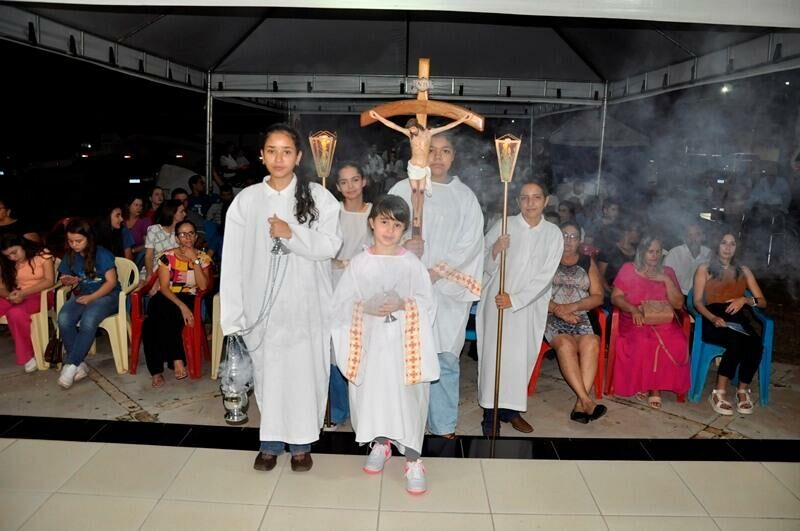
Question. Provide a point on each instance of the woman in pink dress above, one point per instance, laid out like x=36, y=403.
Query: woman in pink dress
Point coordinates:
x=649, y=358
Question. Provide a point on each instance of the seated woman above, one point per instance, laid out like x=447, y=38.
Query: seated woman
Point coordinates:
x=181, y=272
x=577, y=288
x=161, y=234
x=613, y=255
x=112, y=234
x=155, y=199
x=652, y=353
x=719, y=296
x=11, y=225
x=136, y=222
x=92, y=273
x=26, y=269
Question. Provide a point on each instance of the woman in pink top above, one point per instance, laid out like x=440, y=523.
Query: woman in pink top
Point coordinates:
x=650, y=358
x=26, y=269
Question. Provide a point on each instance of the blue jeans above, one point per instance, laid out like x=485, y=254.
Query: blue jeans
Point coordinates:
x=340, y=408
x=78, y=340
x=278, y=447
x=443, y=408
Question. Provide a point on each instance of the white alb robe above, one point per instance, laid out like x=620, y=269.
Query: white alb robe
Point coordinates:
x=382, y=403
x=291, y=356
x=355, y=235
x=452, y=227
x=532, y=258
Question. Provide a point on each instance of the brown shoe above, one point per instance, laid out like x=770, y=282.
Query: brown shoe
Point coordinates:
x=265, y=462
x=303, y=464
x=520, y=424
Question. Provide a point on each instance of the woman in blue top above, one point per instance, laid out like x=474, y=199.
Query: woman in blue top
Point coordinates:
x=91, y=271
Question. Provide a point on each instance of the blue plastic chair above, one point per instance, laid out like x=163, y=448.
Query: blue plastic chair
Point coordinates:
x=469, y=333
x=704, y=353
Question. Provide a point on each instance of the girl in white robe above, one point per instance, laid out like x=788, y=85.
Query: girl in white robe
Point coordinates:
x=350, y=182
x=291, y=348
x=533, y=251
x=383, y=310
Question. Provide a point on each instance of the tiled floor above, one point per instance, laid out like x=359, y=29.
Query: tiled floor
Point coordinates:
x=106, y=395
x=46, y=485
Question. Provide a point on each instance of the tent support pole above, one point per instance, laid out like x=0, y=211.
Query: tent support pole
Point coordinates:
x=209, y=134
x=531, y=140
x=602, y=140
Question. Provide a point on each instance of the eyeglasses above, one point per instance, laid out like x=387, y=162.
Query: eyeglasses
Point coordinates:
x=571, y=236
x=186, y=234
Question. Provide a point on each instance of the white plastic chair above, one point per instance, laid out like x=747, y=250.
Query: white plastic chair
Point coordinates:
x=117, y=325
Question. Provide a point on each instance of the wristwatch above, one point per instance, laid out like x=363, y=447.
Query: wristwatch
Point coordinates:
x=755, y=301
x=197, y=261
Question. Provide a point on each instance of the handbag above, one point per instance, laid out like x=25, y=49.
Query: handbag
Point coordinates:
x=54, y=352
x=657, y=312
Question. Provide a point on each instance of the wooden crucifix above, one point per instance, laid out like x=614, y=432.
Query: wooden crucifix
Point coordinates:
x=418, y=134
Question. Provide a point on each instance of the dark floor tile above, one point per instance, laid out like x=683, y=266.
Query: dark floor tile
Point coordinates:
x=781, y=450
x=506, y=448
x=601, y=449
x=155, y=433
x=59, y=429
x=441, y=447
x=690, y=450
x=334, y=442
x=7, y=422
x=224, y=437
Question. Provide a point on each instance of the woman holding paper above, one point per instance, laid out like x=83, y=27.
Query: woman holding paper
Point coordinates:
x=719, y=296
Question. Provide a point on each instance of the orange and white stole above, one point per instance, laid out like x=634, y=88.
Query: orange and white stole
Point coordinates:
x=412, y=348
x=460, y=278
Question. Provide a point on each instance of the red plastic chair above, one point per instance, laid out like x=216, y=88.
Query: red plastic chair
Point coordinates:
x=601, y=359
x=686, y=323
x=195, y=343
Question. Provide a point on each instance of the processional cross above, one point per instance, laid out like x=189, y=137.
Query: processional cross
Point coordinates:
x=416, y=130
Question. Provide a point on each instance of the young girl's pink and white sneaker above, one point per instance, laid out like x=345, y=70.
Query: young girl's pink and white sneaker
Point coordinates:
x=415, y=477
x=377, y=458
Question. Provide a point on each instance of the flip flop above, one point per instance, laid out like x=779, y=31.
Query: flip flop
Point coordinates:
x=158, y=381
x=183, y=375
x=654, y=402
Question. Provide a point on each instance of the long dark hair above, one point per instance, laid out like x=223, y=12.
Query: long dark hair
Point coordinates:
x=107, y=236
x=715, y=269
x=305, y=209
x=82, y=227
x=8, y=269
x=165, y=215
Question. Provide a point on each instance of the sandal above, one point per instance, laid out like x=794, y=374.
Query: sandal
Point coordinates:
x=654, y=401
x=720, y=405
x=158, y=380
x=745, y=407
x=181, y=373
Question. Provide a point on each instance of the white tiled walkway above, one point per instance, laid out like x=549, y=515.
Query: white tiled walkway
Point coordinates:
x=49, y=485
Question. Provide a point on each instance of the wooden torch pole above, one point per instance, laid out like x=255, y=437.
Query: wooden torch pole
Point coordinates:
x=499, y=350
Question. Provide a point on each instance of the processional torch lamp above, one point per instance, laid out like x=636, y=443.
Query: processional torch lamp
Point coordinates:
x=507, y=150
x=323, y=146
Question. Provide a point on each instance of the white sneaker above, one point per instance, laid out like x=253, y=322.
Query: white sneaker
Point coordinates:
x=67, y=377
x=31, y=366
x=82, y=372
x=415, y=477
x=377, y=458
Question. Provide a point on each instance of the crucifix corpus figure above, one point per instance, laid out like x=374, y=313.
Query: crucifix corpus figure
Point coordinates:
x=419, y=135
